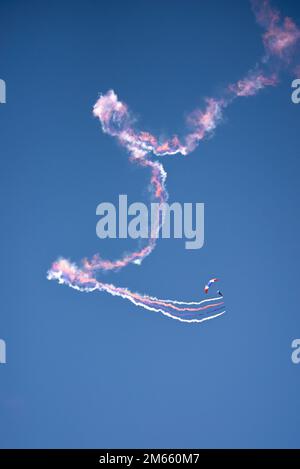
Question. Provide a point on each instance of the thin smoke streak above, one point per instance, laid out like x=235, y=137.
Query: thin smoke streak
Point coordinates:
x=145, y=302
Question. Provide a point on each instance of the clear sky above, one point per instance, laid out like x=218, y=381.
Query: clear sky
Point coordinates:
x=96, y=371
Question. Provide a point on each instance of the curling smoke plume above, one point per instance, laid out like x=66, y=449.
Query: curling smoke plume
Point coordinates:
x=280, y=39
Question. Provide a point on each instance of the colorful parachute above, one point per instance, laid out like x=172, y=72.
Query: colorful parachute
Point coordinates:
x=207, y=287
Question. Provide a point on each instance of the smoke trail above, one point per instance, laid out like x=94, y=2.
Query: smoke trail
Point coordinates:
x=189, y=312
x=281, y=34
x=280, y=38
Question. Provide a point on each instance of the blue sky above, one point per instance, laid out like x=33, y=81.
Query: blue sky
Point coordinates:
x=95, y=371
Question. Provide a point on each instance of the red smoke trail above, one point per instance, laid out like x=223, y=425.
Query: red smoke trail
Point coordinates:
x=280, y=39
x=189, y=312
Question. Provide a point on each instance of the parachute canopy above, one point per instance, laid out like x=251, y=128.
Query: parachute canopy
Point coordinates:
x=209, y=284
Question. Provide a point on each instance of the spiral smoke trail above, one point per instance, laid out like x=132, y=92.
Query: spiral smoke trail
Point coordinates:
x=280, y=39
